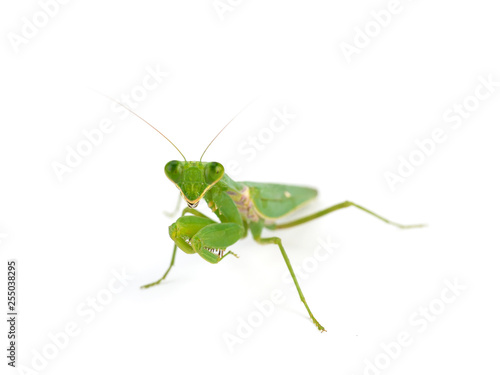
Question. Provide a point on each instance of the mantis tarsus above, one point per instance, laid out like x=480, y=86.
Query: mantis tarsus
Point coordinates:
x=239, y=206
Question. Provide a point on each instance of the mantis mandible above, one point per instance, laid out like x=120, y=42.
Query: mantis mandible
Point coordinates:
x=239, y=206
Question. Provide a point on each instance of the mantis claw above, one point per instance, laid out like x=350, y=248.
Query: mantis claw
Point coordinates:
x=320, y=327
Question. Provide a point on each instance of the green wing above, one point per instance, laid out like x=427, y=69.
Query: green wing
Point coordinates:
x=275, y=200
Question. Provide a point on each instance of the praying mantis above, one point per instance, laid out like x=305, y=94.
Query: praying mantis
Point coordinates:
x=239, y=207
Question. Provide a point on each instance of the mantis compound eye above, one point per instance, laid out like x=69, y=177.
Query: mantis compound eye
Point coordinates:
x=174, y=170
x=213, y=172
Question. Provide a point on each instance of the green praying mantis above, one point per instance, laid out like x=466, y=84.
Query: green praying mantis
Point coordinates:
x=239, y=207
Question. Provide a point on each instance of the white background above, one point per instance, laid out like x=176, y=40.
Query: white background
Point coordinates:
x=353, y=120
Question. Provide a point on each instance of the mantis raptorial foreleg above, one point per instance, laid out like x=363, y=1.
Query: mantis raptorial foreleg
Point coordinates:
x=211, y=241
x=229, y=252
x=277, y=241
x=184, y=212
x=335, y=208
x=200, y=234
x=194, y=212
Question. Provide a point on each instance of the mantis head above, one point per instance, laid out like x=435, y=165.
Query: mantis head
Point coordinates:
x=193, y=178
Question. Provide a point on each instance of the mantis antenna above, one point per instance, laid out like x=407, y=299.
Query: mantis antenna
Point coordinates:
x=135, y=114
x=245, y=107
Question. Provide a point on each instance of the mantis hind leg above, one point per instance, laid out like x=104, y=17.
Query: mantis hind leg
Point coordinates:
x=335, y=208
x=277, y=241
